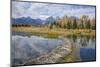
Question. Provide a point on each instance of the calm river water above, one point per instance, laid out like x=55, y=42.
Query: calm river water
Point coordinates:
x=24, y=46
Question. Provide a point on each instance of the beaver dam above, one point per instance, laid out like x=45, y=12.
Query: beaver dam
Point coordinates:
x=55, y=56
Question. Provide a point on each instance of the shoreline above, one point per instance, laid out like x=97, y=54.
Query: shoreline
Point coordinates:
x=54, y=33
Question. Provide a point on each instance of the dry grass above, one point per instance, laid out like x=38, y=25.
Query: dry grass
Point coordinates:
x=54, y=32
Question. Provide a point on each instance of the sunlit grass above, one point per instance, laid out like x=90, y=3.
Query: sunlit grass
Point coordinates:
x=52, y=33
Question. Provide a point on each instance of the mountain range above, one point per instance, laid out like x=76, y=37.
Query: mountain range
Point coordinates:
x=31, y=21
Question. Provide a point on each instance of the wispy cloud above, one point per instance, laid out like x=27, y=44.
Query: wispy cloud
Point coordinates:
x=43, y=10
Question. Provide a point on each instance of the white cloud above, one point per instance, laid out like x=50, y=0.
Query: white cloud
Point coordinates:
x=43, y=10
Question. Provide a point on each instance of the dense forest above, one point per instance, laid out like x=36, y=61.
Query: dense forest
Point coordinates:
x=65, y=22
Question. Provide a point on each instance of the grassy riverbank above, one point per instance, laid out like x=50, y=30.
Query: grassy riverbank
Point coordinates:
x=54, y=33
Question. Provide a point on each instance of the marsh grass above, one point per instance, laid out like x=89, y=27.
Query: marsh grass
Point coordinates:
x=54, y=33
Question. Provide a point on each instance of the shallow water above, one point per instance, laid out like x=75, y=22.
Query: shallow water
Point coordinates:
x=25, y=48
x=87, y=47
x=88, y=54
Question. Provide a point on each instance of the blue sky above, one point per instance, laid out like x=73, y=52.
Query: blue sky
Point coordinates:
x=44, y=10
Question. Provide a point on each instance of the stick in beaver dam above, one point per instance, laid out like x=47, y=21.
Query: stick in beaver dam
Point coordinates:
x=55, y=55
